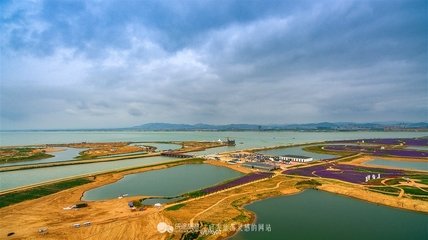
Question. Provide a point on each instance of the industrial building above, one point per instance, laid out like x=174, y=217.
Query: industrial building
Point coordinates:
x=295, y=158
x=261, y=166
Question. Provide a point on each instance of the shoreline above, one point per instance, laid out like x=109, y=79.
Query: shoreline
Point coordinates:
x=363, y=161
x=114, y=212
x=94, y=174
x=253, y=218
x=97, y=160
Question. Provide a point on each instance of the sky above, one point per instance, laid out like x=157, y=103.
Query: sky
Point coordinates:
x=102, y=64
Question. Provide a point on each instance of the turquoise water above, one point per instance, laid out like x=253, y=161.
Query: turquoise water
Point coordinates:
x=399, y=164
x=321, y=215
x=20, y=178
x=297, y=151
x=168, y=182
x=67, y=154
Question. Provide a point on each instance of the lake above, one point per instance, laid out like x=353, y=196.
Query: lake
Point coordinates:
x=20, y=178
x=168, y=182
x=320, y=215
x=297, y=151
x=422, y=148
x=248, y=139
x=60, y=156
x=399, y=164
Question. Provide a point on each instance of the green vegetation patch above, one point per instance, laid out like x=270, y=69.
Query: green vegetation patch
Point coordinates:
x=195, y=194
x=394, y=181
x=137, y=203
x=21, y=154
x=37, y=192
x=241, y=218
x=176, y=207
x=311, y=182
x=386, y=190
x=368, y=170
x=419, y=178
x=376, y=182
x=319, y=149
x=414, y=191
x=423, y=198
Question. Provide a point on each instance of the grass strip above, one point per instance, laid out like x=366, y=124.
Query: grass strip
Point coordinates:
x=37, y=192
x=176, y=207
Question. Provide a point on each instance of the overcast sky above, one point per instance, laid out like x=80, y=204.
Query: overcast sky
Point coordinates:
x=85, y=64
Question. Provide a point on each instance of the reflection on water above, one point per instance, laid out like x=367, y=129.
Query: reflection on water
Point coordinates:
x=321, y=215
x=60, y=156
x=19, y=178
x=168, y=182
x=399, y=164
x=297, y=151
x=249, y=140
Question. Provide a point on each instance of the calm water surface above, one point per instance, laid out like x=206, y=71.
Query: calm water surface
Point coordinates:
x=422, y=148
x=248, y=140
x=19, y=178
x=170, y=182
x=297, y=151
x=321, y=215
x=60, y=156
x=399, y=164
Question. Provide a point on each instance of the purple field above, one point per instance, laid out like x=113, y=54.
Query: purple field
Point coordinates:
x=376, y=150
x=348, y=173
x=391, y=141
x=242, y=180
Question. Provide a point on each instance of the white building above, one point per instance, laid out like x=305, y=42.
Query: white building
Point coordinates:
x=295, y=158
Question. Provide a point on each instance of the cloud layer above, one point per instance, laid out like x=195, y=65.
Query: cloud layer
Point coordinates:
x=74, y=64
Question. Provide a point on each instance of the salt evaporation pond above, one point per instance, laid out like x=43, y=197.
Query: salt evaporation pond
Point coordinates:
x=297, y=151
x=321, y=215
x=171, y=182
x=399, y=164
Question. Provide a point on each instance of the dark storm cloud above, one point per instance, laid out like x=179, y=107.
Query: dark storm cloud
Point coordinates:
x=120, y=63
